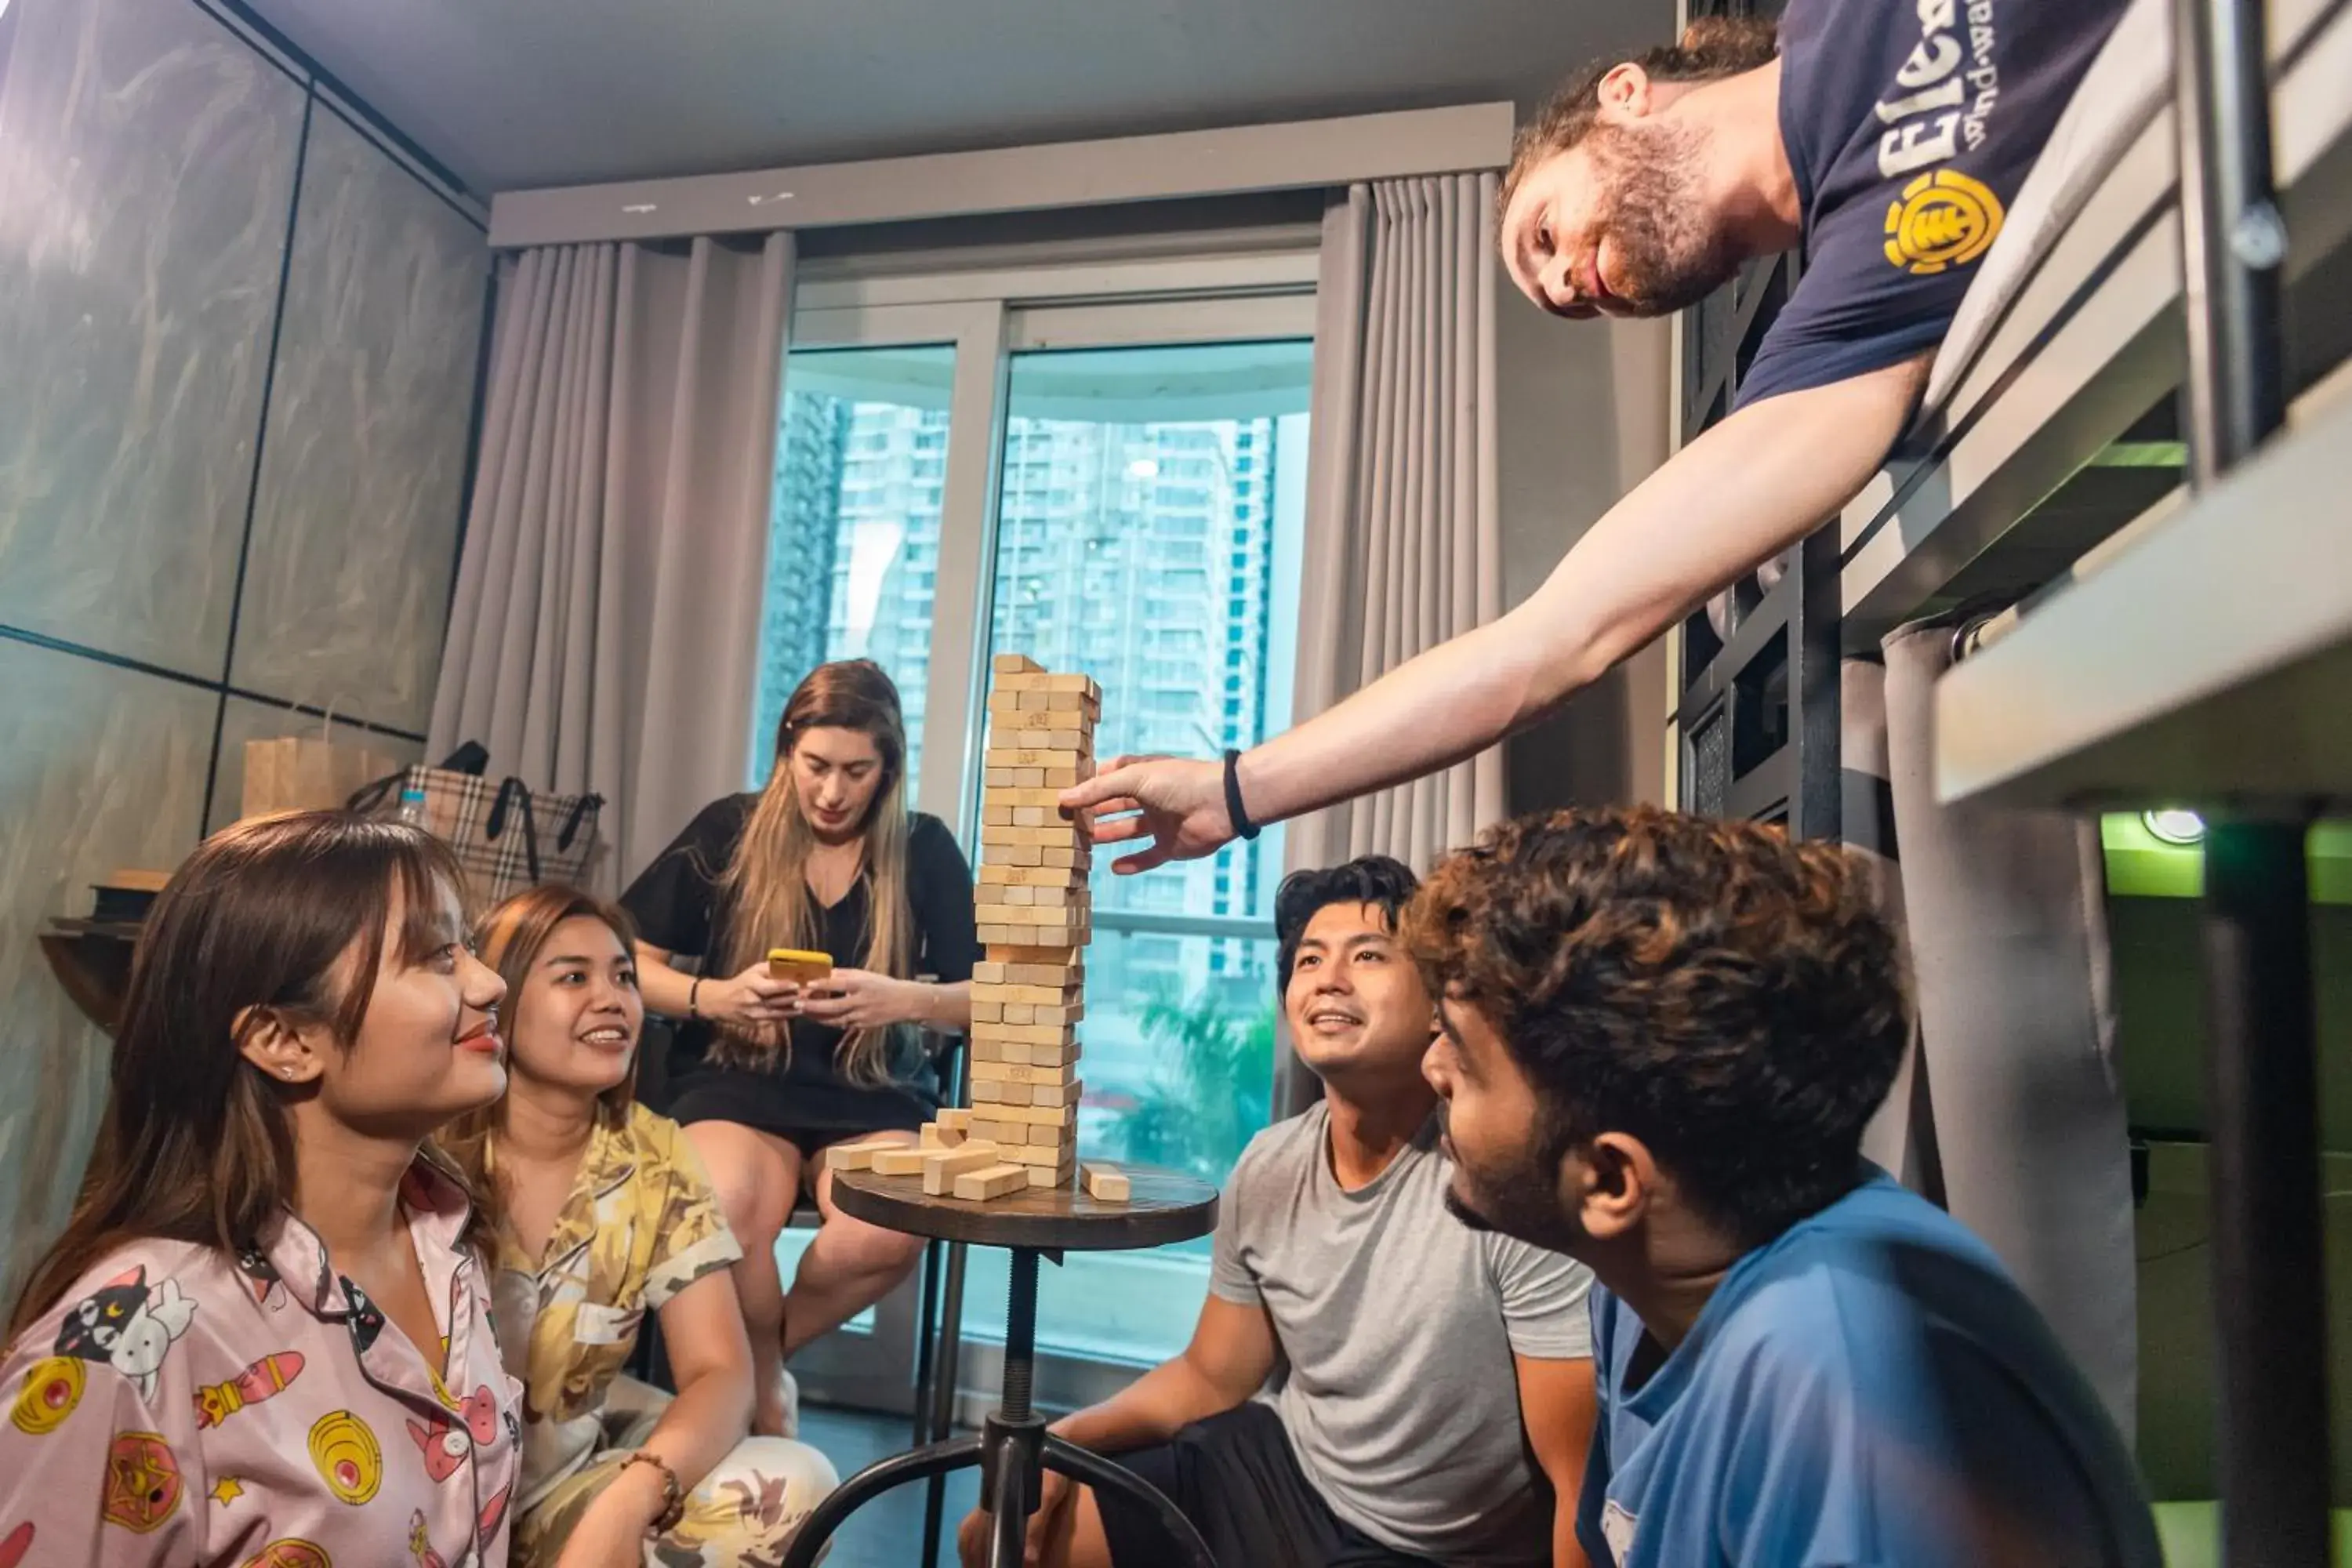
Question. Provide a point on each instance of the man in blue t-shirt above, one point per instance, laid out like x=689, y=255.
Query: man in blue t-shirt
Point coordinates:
x=1884, y=139
x=1662, y=1035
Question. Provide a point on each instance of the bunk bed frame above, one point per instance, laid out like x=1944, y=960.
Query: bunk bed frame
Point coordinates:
x=2131, y=490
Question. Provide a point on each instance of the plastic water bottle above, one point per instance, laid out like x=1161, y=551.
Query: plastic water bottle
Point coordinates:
x=412, y=808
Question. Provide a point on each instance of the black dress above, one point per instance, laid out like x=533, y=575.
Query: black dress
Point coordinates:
x=804, y=1098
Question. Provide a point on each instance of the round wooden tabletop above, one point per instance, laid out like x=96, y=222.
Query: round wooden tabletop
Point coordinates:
x=1161, y=1208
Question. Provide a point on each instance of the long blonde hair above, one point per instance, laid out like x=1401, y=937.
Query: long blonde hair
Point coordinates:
x=765, y=885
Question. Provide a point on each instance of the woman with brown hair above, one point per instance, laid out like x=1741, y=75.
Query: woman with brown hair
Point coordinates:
x=265, y=1334
x=767, y=1073
x=600, y=1211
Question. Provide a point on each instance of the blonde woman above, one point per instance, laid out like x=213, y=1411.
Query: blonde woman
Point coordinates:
x=765, y=1073
x=600, y=1213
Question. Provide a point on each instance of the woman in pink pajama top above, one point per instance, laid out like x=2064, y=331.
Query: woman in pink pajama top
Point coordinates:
x=264, y=1340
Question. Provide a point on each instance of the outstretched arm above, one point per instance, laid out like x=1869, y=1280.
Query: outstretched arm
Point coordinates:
x=1740, y=494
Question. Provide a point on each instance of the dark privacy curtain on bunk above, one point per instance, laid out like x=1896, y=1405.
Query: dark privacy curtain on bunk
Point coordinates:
x=605, y=630
x=2011, y=1111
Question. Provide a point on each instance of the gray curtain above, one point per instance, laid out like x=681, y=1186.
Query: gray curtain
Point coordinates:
x=1403, y=533
x=2020, y=1113
x=605, y=632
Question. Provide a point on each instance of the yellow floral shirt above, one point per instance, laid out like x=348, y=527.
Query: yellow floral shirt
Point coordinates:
x=641, y=1225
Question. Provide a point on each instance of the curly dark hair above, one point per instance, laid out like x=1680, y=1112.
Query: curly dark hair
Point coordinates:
x=1385, y=883
x=1732, y=999
x=1711, y=47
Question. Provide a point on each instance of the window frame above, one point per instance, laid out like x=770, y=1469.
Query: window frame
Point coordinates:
x=1263, y=292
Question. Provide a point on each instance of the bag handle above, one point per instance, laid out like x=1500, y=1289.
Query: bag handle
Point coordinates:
x=513, y=789
x=369, y=795
x=585, y=807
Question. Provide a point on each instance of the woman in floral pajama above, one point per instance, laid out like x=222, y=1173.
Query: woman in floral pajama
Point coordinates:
x=264, y=1340
x=602, y=1213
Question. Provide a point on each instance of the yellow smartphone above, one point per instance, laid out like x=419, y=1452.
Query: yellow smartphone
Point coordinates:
x=798, y=964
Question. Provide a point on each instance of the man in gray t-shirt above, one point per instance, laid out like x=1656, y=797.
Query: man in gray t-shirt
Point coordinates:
x=1372, y=1383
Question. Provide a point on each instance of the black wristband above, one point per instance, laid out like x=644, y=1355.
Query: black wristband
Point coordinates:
x=1235, y=810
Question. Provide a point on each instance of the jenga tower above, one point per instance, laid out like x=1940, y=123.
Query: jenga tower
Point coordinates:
x=1035, y=919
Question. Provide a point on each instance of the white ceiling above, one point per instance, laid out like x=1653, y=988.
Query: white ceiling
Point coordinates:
x=514, y=93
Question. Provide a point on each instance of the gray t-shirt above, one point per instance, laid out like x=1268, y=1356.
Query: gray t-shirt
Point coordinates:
x=1398, y=1325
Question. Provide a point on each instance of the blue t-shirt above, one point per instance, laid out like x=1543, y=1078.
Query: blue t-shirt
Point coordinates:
x=1870, y=1391
x=1909, y=124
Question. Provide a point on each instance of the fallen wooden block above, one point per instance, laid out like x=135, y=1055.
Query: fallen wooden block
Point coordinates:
x=936, y=1136
x=941, y=1170
x=1106, y=1183
x=900, y=1161
x=1016, y=664
x=857, y=1156
x=995, y=1181
x=955, y=1117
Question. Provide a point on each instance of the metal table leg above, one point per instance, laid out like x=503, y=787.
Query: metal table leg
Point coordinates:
x=2270, y=1277
x=1012, y=1453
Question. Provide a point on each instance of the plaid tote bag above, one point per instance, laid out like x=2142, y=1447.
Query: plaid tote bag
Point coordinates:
x=507, y=836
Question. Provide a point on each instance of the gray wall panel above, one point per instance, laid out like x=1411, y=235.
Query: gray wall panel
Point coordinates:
x=102, y=768
x=355, y=521
x=146, y=160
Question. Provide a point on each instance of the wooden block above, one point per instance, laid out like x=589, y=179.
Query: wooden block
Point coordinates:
x=989, y=973
x=1062, y=777
x=1052, y=1094
x=1002, y=816
x=1032, y=757
x=955, y=1118
x=1025, y=951
x=941, y=1170
x=1016, y=664
x=995, y=1051
x=1025, y=1034
x=1060, y=971
x=1030, y=815
x=1033, y=1154
x=986, y=1092
x=1058, y=855
x=938, y=1136
x=1004, y=1134
x=992, y=777
x=995, y=1181
x=1051, y=1116
x=1048, y=1135
x=857, y=1156
x=1058, y=877
x=1057, y=1012
x=1021, y=855
x=1035, y=698
x=1105, y=1184
x=990, y=1012
x=1034, y=996
x=1044, y=1055
x=900, y=1161
x=1009, y=1072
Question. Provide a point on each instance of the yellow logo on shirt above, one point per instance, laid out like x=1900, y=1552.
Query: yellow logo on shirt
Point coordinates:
x=1942, y=219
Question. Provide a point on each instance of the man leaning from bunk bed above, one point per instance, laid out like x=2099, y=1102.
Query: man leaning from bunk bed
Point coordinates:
x=1432, y=1389
x=1883, y=140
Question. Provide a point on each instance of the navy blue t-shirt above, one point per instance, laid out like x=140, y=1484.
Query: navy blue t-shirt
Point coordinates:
x=1910, y=124
x=1870, y=1390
